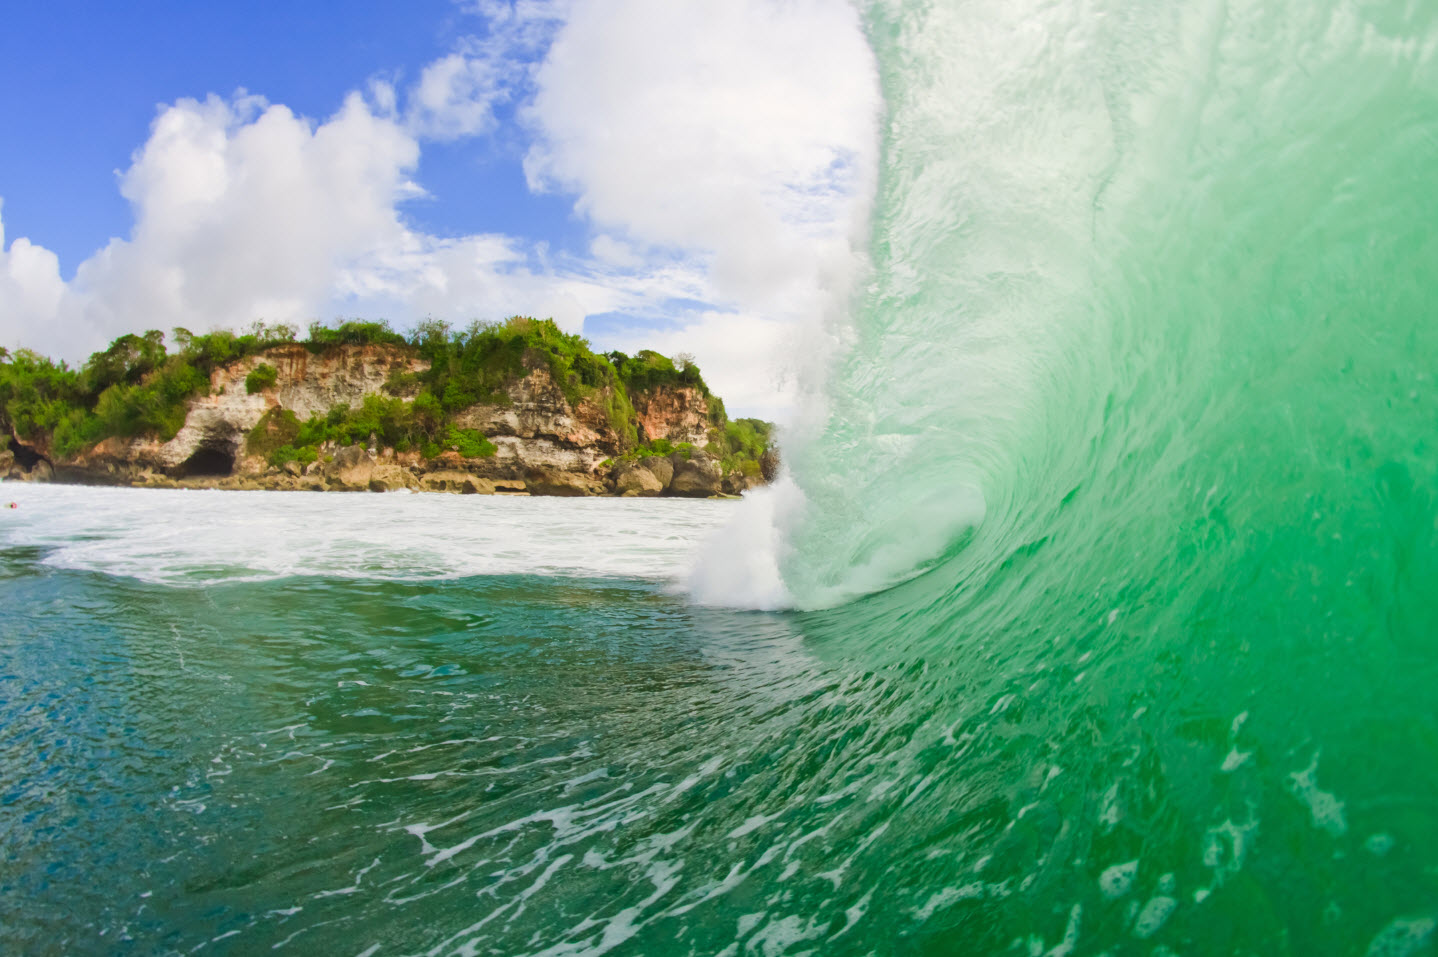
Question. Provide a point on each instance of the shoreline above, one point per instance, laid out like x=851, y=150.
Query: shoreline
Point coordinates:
x=692, y=474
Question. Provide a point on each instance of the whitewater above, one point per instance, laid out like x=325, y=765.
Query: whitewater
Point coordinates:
x=1096, y=614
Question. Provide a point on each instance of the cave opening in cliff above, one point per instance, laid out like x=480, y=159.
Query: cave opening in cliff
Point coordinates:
x=25, y=457
x=206, y=462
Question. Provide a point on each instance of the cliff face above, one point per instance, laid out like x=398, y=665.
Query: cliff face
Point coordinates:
x=539, y=429
x=543, y=442
x=212, y=440
x=677, y=413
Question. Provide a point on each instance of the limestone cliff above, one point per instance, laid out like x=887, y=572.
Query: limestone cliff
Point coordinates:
x=217, y=423
x=676, y=413
x=531, y=435
x=538, y=428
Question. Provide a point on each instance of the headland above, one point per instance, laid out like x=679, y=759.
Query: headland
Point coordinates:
x=513, y=407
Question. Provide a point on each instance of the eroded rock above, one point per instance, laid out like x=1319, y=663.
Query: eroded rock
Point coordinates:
x=737, y=483
x=461, y=483
x=555, y=483
x=677, y=413
x=635, y=481
x=388, y=477
x=660, y=467
x=698, y=476
x=769, y=464
x=351, y=469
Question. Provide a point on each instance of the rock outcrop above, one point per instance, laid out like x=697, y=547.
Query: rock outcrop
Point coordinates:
x=679, y=414
x=212, y=440
x=698, y=476
x=769, y=464
x=350, y=469
x=635, y=481
x=660, y=467
x=539, y=440
x=553, y=482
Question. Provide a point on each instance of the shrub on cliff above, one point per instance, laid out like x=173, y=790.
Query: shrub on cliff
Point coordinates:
x=156, y=405
x=262, y=377
x=289, y=453
x=648, y=370
x=281, y=437
x=212, y=350
x=134, y=386
x=36, y=394
x=741, y=443
x=276, y=430
x=354, y=332
x=469, y=443
x=478, y=364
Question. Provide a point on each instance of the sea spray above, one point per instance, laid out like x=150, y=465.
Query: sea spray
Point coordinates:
x=738, y=563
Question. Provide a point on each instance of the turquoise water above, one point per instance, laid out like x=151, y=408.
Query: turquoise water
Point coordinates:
x=1115, y=563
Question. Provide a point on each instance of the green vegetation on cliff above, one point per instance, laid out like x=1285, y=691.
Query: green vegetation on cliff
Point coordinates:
x=138, y=387
x=740, y=444
x=134, y=387
x=261, y=377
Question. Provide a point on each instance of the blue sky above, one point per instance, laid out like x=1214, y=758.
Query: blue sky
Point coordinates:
x=87, y=78
x=677, y=174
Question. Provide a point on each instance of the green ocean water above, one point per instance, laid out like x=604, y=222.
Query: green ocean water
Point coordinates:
x=1116, y=560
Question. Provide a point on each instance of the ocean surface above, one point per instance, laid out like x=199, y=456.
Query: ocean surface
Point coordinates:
x=1101, y=603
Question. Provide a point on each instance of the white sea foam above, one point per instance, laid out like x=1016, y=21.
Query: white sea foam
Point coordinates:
x=206, y=537
x=739, y=564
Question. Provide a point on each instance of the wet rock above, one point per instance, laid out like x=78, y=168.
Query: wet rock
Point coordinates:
x=769, y=464
x=555, y=483
x=696, y=477
x=737, y=483
x=461, y=483
x=352, y=468
x=634, y=481
x=389, y=477
x=661, y=468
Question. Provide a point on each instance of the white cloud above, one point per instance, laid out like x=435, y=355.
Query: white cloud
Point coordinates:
x=242, y=210
x=455, y=97
x=742, y=137
x=30, y=287
x=722, y=152
x=745, y=131
x=744, y=357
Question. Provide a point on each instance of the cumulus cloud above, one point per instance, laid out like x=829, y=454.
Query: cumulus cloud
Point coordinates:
x=744, y=131
x=242, y=210
x=30, y=285
x=455, y=97
x=742, y=356
x=741, y=135
x=721, y=153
